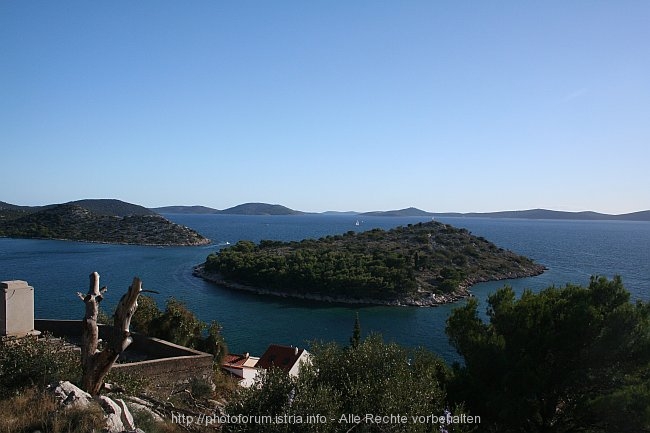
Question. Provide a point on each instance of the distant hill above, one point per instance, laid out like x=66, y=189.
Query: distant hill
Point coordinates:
x=71, y=221
x=643, y=215
x=242, y=209
x=112, y=207
x=408, y=212
x=10, y=211
x=336, y=212
x=9, y=206
x=260, y=209
x=552, y=215
x=185, y=209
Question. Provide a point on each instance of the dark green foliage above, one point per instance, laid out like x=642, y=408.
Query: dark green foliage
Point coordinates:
x=33, y=361
x=355, y=339
x=145, y=315
x=374, y=378
x=563, y=360
x=112, y=207
x=73, y=222
x=411, y=261
x=178, y=325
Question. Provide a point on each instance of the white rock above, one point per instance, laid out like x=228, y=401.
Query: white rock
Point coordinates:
x=114, y=424
x=70, y=395
x=143, y=408
x=113, y=412
x=127, y=418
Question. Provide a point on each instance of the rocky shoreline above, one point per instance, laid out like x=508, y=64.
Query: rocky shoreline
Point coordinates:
x=425, y=300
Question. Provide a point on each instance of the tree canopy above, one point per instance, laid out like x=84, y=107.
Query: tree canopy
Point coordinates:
x=179, y=325
x=569, y=359
x=409, y=263
x=374, y=378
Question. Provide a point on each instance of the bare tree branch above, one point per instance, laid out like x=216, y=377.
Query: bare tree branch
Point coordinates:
x=95, y=364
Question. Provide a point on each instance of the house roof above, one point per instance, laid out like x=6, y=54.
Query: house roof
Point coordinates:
x=283, y=357
x=236, y=360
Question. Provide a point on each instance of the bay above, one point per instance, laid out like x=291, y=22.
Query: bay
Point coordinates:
x=572, y=251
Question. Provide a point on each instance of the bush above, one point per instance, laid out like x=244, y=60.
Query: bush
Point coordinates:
x=179, y=325
x=33, y=361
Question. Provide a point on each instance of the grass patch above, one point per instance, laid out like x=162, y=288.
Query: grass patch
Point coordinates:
x=34, y=409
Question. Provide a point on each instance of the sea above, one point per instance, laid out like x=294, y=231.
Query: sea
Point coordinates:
x=571, y=250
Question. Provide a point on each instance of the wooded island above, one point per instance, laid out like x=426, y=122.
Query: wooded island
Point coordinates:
x=420, y=264
x=100, y=220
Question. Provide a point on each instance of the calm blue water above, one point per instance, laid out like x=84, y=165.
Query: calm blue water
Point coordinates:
x=572, y=250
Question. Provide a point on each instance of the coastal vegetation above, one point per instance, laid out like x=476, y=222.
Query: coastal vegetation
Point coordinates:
x=570, y=359
x=177, y=324
x=420, y=264
x=343, y=383
x=562, y=360
x=71, y=221
x=565, y=359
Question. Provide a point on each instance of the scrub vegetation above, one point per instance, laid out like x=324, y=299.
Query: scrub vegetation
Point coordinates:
x=408, y=264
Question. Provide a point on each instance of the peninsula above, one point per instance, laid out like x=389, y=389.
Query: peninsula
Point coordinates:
x=102, y=221
x=422, y=264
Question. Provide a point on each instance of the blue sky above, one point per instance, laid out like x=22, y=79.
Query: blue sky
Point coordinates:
x=366, y=105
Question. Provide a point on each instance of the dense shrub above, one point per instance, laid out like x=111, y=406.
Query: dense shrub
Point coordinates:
x=386, y=265
x=178, y=325
x=36, y=361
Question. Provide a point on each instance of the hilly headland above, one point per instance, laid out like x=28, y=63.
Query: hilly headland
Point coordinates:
x=102, y=221
x=422, y=264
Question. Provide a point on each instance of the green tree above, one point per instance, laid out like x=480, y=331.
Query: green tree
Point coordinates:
x=375, y=378
x=562, y=360
x=146, y=313
x=179, y=325
x=355, y=339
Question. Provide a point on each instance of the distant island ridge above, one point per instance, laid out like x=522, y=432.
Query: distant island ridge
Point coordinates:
x=276, y=209
x=120, y=208
x=95, y=220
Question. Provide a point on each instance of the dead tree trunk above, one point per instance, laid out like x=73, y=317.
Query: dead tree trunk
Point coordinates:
x=95, y=364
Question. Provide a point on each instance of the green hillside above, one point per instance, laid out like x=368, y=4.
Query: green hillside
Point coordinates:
x=421, y=264
x=77, y=223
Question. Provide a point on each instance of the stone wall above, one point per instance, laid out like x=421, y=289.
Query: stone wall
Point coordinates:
x=165, y=365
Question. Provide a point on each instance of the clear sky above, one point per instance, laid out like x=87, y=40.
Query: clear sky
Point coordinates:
x=328, y=105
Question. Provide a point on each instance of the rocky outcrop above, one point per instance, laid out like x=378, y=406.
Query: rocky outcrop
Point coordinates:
x=118, y=417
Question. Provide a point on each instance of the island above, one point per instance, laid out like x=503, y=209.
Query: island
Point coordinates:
x=242, y=209
x=100, y=220
x=424, y=264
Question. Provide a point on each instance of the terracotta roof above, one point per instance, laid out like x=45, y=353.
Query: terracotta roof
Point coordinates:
x=283, y=357
x=235, y=360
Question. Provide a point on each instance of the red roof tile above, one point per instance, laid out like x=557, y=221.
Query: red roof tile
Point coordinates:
x=283, y=357
x=234, y=360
